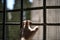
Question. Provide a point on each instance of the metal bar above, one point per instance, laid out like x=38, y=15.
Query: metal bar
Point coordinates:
x=34, y=8
x=21, y=12
x=4, y=11
x=18, y=23
x=52, y=7
x=21, y=15
x=49, y=24
x=53, y=24
x=38, y=8
x=44, y=19
x=37, y=24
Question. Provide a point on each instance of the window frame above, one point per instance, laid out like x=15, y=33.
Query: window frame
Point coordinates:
x=44, y=24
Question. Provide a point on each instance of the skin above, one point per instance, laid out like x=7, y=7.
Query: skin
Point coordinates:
x=27, y=24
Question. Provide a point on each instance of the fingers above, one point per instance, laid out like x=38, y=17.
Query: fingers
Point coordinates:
x=22, y=38
x=36, y=27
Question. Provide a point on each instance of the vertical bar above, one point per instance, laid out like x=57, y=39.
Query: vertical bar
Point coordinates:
x=4, y=12
x=21, y=12
x=44, y=19
x=21, y=26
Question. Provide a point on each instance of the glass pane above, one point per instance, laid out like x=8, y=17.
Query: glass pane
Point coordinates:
x=13, y=4
x=37, y=16
x=13, y=32
x=53, y=33
x=1, y=32
x=1, y=17
x=38, y=34
x=26, y=15
x=13, y=16
x=1, y=5
x=53, y=2
x=16, y=4
x=32, y=3
x=53, y=15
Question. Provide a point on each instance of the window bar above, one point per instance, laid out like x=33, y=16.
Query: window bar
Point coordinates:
x=33, y=8
x=4, y=11
x=44, y=19
x=21, y=15
x=21, y=19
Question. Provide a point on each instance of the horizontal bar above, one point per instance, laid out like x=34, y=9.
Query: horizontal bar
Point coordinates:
x=1, y=11
x=11, y=22
x=18, y=23
x=49, y=24
x=53, y=24
x=52, y=7
x=34, y=8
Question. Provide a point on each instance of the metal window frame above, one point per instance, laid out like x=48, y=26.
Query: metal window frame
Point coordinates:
x=4, y=12
x=44, y=24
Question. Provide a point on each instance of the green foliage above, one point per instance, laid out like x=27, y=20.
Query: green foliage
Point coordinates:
x=28, y=15
x=1, y=30
x=26, y=4
x=14, y=32
x=15, y=17
x=1, y=17
x=1, y=6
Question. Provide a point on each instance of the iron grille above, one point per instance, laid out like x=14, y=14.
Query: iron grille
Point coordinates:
x=24, y=9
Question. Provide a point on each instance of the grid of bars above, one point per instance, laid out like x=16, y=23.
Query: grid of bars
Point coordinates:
x=35, y=8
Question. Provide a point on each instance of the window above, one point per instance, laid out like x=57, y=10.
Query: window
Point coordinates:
x=43, y=13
